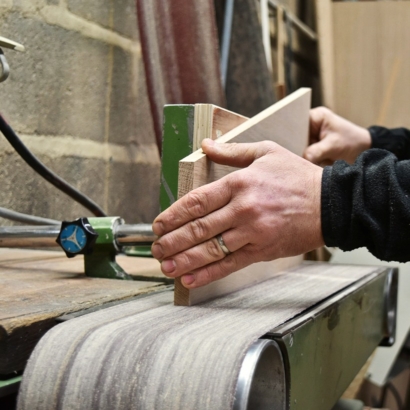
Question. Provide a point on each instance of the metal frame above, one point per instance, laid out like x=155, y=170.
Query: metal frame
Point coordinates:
x=320, y=351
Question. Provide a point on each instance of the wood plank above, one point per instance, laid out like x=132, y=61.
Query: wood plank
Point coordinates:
x=363, y=94
x=326, y=50
x=39, y=286
x=287, y=123
x=213, y=122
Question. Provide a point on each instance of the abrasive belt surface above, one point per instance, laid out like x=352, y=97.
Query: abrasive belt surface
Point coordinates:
x=150, y=354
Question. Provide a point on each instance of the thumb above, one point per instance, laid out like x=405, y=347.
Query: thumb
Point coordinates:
x=320, y=152
x=235, y=154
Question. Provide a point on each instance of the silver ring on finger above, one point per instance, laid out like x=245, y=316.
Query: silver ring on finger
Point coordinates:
x=222, y=245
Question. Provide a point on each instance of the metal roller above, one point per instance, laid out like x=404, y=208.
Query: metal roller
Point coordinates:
x=262, y=380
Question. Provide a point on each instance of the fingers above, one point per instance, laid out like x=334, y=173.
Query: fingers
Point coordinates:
x=193, y=205
x=218, y=270
x=236, y=154
x=193, y=233
x=317, y=118
x=320, y=152
x=197, y=257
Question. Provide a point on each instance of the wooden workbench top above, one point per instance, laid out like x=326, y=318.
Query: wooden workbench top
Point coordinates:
x=39, y=286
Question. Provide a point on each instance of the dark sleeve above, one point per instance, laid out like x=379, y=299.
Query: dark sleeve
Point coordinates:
x=395, y=140
x=368, y=204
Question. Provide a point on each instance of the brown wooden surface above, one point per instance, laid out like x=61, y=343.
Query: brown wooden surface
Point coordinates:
x=286, y=123
x=39, y=286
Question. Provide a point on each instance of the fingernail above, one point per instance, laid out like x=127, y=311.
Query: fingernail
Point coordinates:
x=309, y=156
x=158, y=228
x=168, y=265
x=188, y=279
x=157, y=251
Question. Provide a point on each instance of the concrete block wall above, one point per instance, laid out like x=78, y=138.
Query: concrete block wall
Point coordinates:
x=78, y=99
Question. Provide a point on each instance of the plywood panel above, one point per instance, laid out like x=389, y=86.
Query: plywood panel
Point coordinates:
x=372, y=62
x=286, y=122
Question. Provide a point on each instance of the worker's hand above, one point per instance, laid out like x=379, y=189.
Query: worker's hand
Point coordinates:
x=332, y=138
x=269, y=210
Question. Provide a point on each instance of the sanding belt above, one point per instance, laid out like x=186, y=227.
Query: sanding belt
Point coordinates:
x=149, y=354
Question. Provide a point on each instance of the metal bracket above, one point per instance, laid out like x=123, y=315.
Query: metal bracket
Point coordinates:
x=101, y=262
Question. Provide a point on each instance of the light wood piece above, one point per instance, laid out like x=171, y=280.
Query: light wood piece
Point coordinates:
x=286, y=123
x=324, y=23
x=211, y=121
x=372, y=62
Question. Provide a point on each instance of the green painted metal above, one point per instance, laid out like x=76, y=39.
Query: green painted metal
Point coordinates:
x=9, y=386
x=178, y=132
x=101, y=262
x=177, y=143
x=325, y=353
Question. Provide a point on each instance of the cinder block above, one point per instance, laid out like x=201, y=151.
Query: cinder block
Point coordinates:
x=118, y=15
x=97, y=11
x=59, y=86
x=125, y=18
x=25, y=191
x=134, y=192
x=130, y=115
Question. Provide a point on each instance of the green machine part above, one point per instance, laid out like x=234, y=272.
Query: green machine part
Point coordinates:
x=177, y=143
x=101, y=262
x=326, y=350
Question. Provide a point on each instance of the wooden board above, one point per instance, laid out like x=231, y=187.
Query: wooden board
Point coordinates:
x=213, y=122
x=39, y=286
x=185, y=126
x=326, y=49
x=286, y=123
x=372, y=62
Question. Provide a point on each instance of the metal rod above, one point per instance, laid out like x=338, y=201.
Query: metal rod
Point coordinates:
x=226, y=40
x=266, y=32
x=128, y=235
x=296, y=22
x=45, y=236
x=28, y=236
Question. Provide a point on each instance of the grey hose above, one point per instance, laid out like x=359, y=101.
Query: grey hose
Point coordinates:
x=28, y=219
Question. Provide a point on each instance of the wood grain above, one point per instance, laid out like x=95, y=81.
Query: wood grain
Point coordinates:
x=324, y=24
x=286, y=123
x=372, y=62
x=39, y=286
x=211, y=121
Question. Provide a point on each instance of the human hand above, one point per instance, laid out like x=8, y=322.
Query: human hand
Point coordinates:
x=332, y=138
x=269, y=210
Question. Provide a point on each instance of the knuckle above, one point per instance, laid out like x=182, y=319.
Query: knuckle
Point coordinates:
x=213, y=249
x=196, y=203
x=206, y=275
x=198, y=230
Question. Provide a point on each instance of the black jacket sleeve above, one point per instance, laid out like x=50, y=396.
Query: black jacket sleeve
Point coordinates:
x=396, y=140
x=368, y=204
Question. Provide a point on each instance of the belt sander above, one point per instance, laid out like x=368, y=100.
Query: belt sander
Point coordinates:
x=292, y=335
x=294, y=341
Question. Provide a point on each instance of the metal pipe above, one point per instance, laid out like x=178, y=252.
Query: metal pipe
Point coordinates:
x=226, y=40
x=45, y=236
x=129, y=235
x=28, y=236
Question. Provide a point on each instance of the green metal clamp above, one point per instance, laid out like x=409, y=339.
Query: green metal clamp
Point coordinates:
x=101, y=262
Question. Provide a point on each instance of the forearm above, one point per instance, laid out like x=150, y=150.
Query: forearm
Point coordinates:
x=395, y=140
x=368, y=204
